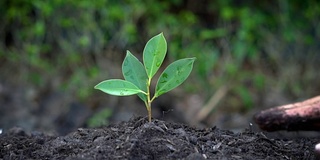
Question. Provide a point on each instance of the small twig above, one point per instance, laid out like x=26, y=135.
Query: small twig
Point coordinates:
x=211, y=104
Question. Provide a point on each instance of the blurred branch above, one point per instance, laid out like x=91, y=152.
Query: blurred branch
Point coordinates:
x=212, y=103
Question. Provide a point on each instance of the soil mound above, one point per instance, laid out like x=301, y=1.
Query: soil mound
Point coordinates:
x=138, y=139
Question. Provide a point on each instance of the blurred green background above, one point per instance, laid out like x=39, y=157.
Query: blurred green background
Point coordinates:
x=251, y=55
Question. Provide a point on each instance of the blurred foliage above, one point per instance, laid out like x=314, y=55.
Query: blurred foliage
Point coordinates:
x=249, y=46
x=100, y=118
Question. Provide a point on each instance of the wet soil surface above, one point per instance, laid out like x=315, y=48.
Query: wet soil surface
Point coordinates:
x=138, y=139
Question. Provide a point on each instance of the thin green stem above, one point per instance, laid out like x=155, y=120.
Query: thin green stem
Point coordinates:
x=148, y=103
x=149, y=111
x=154, y=97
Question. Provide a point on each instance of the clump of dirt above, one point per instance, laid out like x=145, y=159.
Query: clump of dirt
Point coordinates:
x=139, y=139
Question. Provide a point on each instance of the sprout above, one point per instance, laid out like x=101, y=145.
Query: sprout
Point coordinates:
x=138, y=76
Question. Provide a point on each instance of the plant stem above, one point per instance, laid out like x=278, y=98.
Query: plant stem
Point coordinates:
x=148, y=103
x=149, y=111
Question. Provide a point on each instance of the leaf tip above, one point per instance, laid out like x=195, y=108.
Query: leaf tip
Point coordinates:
x=162, y=35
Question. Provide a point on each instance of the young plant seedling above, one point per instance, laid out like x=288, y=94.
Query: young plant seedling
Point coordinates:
x=138, y=76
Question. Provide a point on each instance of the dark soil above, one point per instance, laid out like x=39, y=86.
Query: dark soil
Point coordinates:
x=138, y=139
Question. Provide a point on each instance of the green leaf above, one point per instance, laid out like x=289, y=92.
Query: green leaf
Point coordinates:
x=134, y=72
x=118, y=87
x=154, y=53
x=174, y=75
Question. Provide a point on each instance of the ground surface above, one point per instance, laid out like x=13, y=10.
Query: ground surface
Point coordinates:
x=138, y=139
